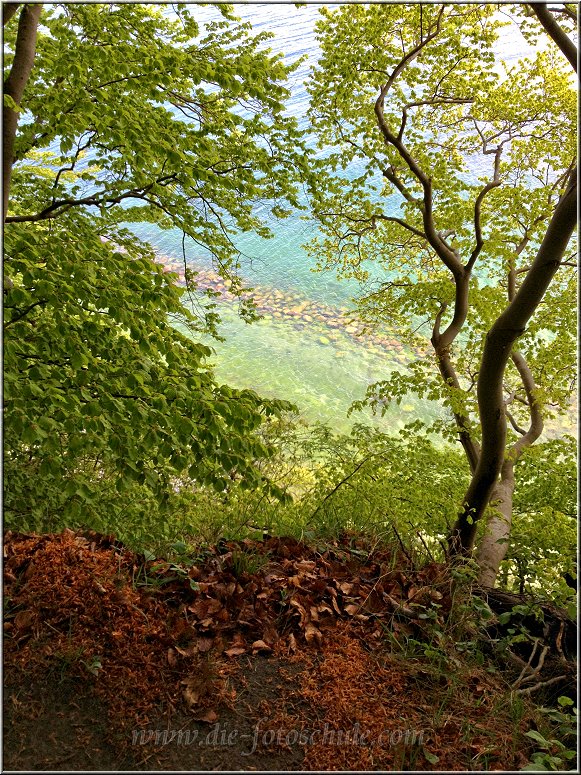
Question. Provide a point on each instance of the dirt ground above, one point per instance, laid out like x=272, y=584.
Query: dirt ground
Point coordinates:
x=299, y=661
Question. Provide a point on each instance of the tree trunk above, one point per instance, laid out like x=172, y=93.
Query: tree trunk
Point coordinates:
x=556, y=32
x=14, y=86
x=494, y=543
x=497, y=350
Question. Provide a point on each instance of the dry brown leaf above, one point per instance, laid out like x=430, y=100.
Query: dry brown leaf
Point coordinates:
x=260, y=645
x=235, y=651
x=352, y=609
x=300, y=609
x=171, y=657
x=305, y=565
x=189, y=651
x=207, y=716
x=345, y=587
x=204, y=644
x=292, y=643
x=313, y=634
x=324, y=608
x=190, y=692
x=23, y=620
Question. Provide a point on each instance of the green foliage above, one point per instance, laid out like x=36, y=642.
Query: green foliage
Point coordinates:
x=109, y=410
x=395, y=488
x=543, y=541
x=558, y=752
x=452, y=109
x=442, y=169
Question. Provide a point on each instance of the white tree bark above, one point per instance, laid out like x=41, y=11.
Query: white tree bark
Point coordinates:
x=494, y=543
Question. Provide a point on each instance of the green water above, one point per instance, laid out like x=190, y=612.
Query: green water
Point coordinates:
x=315, y=364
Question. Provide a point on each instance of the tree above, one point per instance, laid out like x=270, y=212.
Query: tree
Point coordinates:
x=461, y=182
x=116, y=113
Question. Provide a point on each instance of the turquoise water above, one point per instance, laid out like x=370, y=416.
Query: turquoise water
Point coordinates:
x=315, y=363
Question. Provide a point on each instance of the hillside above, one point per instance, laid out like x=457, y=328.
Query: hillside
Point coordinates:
x=266, y=655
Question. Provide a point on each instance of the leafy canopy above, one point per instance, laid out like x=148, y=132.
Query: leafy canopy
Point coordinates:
x=481, y=150
x=131, y=113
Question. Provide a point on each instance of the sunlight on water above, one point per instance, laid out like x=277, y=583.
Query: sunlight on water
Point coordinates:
x=302, y=350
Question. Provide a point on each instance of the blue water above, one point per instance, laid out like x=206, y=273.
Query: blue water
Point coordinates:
x=316, y=365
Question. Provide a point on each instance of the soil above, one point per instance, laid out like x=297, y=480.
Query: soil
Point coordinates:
x=250, y=656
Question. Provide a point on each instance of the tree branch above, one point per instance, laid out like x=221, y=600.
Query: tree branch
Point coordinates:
x=23, y=313
x=61, y=205
x=509, y=325
x=494, y=183
x=14, y=86
x=537, y=423
x=555, y=32
x=8, y=11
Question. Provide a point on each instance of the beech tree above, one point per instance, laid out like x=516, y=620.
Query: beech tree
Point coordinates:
x=458, y=176
x=116, y=113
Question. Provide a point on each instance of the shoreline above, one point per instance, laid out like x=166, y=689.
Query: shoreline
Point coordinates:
x=329, y=326
x=294, y=307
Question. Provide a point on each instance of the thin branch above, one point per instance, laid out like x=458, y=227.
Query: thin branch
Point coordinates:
x=544, y=684
x=23, y=314
x=494, y=183
x=342, y=482
x=62, y=205
x=537, y=422
x=514, y=423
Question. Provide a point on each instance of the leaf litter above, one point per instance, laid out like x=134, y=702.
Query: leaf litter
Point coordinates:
x=153, y=639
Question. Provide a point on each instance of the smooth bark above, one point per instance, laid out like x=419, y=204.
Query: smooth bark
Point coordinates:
x=8, y=11
x=556, y=32
x=14, y=86
x=494, y=543
x=497, y=350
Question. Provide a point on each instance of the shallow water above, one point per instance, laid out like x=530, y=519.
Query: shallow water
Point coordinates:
x=308, y=359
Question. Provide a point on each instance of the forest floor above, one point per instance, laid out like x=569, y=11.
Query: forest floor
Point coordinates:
x=268, y=655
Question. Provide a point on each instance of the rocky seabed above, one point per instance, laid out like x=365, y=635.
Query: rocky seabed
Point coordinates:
x=330, y=325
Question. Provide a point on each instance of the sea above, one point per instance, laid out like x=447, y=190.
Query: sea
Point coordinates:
x=307, y=348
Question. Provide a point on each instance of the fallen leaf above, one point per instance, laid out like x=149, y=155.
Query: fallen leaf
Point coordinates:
x=171, y=657
x=305, y=565
x=301, y=610
x=189, y=651
x=235, y=651
x=352, y=609
x=23, y=620
x=312, y=633
x=204, y=644
x=260, y=645
x=208, y=716
x=191, y=696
